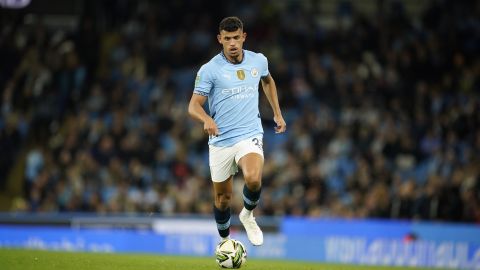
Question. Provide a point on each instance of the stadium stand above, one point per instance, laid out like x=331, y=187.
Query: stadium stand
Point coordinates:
x=381, y=100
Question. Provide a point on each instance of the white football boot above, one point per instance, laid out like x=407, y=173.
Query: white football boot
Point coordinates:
x=254, y=233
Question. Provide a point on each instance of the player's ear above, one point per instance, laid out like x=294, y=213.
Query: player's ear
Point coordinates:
x=244, y=35
x=219, y=38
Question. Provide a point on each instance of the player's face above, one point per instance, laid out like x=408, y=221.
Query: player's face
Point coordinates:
x=232, y=42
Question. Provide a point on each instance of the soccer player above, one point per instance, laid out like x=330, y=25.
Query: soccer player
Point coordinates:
x=229, y=81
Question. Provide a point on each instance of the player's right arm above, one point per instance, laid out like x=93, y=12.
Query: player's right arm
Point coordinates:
x=203, y=86
x=196, y=111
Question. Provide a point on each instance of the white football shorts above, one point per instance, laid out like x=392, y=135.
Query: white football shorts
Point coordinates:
x=224, y=160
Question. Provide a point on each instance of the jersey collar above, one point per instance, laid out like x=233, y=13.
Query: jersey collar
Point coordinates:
x=226, y=59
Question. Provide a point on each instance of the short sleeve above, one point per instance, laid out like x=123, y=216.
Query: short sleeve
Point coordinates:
x=264, y=60
x=203, y=82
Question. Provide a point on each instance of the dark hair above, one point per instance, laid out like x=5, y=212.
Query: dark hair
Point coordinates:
x=230, y=24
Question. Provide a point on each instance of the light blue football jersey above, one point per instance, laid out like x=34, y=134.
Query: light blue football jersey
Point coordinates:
x=233, y=93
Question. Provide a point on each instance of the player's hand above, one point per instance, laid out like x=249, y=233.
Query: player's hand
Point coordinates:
x=281, y=125
x=210, y=127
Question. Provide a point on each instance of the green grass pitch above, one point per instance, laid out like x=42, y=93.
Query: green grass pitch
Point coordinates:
x=13, y=259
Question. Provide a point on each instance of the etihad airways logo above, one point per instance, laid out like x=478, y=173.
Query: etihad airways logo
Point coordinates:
x=241, y=92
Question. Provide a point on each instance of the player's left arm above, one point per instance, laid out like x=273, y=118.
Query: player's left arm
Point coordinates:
x=270, y=90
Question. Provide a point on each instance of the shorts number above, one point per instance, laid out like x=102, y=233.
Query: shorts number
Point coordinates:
x=258, y=143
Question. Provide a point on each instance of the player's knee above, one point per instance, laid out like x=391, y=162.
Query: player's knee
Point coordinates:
x=253, y=179
x=222, y=200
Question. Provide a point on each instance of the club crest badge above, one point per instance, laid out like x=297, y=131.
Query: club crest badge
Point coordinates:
x=254, y=72
x=241, y=74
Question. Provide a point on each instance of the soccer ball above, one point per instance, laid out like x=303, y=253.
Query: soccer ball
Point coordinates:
x=230, y=254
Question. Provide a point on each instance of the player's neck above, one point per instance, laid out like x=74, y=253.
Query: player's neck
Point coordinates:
x=232, y=60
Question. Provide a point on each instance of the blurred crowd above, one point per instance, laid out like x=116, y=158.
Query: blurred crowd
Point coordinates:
x=383, y=112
